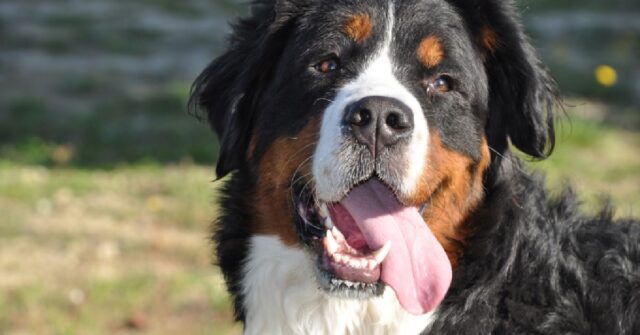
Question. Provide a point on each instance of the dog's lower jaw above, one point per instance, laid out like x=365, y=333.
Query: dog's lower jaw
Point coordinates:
x=281, y=296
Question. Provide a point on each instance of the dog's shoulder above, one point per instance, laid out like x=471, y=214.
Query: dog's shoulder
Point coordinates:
x=539, y=265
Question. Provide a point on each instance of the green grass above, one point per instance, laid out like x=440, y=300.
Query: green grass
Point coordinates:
x=598, y=160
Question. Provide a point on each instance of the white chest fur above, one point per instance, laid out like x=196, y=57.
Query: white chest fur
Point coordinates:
x=281, y=296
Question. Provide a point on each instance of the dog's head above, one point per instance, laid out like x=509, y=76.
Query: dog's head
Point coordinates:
x=366, y=129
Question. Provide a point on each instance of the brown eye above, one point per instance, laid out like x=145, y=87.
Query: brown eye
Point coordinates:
x=328, y=65
x=441, y=84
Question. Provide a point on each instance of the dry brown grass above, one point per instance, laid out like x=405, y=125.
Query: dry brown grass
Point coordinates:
x=104, y=252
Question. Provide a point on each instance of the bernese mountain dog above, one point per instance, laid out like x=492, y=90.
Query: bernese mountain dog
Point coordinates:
x=370, y=184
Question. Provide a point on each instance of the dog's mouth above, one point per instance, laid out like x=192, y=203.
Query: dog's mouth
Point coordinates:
x=370, y=239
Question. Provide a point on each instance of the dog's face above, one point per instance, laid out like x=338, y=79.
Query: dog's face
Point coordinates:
x=366, y=129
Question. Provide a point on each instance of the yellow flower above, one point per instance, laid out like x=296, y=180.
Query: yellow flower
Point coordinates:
x=606, y=75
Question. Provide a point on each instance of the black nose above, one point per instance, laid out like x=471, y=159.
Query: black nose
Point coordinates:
x=379, y=122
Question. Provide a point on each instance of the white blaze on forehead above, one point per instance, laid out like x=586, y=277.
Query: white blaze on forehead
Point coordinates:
x=377, y=79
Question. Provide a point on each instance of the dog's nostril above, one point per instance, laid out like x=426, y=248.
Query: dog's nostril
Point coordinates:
x=397, y=121
x=393, y=121
x=361, y=117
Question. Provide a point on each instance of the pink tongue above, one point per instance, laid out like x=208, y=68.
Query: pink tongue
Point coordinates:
x=417, y=267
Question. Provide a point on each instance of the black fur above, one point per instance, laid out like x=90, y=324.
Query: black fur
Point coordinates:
x=522, y=93
x=230, y=87
x=537, y=266
x=534, y=265
x=231, y=235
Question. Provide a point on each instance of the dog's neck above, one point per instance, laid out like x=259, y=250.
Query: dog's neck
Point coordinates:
x=281, y=296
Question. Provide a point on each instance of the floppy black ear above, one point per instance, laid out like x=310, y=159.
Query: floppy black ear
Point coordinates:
x=227, y=90
x=522, y=93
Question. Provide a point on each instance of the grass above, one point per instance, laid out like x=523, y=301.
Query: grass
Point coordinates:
x=598, y=160
x=155, y=121
x=85, y=251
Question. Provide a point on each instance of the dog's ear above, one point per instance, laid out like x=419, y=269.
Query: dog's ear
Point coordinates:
x=226, y=92
x=522, y=93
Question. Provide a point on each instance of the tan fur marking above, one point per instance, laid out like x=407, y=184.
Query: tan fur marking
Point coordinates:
x=430, y=52
x=252, y=146
x=272, y=201
x=452, y=188
x=358, y=27
x=489, y=40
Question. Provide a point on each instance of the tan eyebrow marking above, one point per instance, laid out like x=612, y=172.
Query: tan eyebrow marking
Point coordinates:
x=490, y=40
x=430, y=51
x=358, y=27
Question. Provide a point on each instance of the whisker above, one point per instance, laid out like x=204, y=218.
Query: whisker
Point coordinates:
x=299, y=151
x=294, y=180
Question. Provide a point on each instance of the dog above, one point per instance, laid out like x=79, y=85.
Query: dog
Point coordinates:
x=371, y=186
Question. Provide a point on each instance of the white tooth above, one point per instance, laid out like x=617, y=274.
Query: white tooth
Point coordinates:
x=351, y=262
x=335, y=231
x=337, y=234
x=380, y=254
x=332, y=245
x=371, y=264
x=324, y=212
x=338, y=258
x=354, y=263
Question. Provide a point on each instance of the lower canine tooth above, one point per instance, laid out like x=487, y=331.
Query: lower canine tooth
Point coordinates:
x=380, y=254
x=337, y=234
x=331, y=244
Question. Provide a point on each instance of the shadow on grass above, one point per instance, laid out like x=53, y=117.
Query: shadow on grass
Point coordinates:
x=155, y=128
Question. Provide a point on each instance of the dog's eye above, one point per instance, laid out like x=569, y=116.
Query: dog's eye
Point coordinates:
x=328, y=65
x=440, y=84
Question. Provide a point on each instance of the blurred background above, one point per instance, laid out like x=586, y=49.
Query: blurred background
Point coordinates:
x=106, y=189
